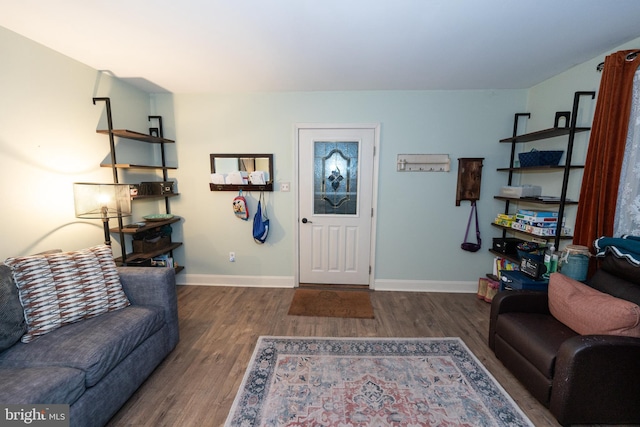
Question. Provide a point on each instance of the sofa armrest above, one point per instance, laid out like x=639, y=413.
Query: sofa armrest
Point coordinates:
x=597, y=380
x=521, y=302
x=153, y=286
x=515, y=302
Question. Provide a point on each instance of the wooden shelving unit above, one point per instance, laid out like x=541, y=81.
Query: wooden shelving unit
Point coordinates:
x=155, y=136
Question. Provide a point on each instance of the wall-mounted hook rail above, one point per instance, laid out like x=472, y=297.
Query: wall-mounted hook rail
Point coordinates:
x=423, y=163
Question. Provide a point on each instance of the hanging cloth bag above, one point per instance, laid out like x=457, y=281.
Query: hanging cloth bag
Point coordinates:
x=260, y=222
x=468, y=246
x=240, y=207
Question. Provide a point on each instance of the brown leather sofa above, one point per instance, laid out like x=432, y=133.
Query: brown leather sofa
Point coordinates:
x=582, y=378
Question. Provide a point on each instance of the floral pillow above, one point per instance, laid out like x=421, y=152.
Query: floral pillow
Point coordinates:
x=62, y=288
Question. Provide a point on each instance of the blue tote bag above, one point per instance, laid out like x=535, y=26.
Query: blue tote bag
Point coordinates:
x=260, y=222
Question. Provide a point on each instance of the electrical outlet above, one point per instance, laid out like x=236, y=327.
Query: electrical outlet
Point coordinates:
x=232, y=257
x=284, y=186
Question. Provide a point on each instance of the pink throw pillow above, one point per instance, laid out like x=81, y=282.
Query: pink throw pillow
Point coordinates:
x=591, y=312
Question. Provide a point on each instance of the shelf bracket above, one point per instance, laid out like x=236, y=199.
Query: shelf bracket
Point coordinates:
x=516, y=122
x=572, y=135
x=112, y=142
x=159, y=132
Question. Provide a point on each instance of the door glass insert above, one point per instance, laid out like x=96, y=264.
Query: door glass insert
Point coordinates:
x=335, y=178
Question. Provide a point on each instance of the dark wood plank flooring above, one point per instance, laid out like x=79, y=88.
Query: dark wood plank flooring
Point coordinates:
x=197, y=382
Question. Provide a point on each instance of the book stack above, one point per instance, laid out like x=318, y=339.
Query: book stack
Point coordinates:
x=501, y=264
x=505, y=220
x=162, y=261
x=540, y=223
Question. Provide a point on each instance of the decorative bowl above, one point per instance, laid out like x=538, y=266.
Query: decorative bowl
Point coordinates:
x=158, y=217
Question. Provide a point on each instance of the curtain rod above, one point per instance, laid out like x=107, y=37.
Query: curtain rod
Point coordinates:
x=630, y=57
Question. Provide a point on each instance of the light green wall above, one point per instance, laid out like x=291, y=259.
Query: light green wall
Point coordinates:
x=48, y=141
x=419, y=228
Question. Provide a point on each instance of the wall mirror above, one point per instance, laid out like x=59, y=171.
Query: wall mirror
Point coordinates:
x=233, y=172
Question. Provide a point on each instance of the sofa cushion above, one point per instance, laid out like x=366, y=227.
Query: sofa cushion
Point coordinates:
x=61, y=288
x=614, y=285
x=12, y=324
x=50, y=385
x=94, y=345
x=621, y=267
x=589, y=311
x=619, y=278
x=535, y=336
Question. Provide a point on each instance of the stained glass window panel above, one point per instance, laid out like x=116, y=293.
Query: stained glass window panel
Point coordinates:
x=335, y=178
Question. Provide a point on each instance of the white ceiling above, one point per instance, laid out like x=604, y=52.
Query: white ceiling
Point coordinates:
x=188, y=46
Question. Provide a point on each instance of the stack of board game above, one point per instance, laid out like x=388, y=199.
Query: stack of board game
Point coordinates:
x=540, y=223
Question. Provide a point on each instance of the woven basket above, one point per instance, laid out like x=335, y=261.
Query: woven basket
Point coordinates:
x=540, y=158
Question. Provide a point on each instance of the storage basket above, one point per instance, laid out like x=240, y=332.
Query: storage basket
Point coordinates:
x=550, y=158
x=540, y=158
x=493, y=287
x=506, y=245
x=574, y=262
x=141, y=246
x=487, y=289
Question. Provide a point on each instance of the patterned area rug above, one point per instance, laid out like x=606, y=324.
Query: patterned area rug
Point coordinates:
x=358, y=382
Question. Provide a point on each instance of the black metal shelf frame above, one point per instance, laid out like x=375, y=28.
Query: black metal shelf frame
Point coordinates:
x=571, y=130
x=155, y=136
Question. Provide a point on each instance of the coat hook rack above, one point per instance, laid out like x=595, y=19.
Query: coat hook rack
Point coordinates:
x=423, y=163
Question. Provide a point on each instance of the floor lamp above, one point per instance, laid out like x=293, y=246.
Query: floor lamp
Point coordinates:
x=102, y=201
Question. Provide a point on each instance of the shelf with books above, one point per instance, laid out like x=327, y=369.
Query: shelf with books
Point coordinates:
x=540, y=236
x=555, y=234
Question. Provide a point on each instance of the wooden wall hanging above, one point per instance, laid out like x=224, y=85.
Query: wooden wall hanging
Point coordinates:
x=469, y=177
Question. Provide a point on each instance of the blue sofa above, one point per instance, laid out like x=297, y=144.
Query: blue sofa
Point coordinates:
x=96, y=364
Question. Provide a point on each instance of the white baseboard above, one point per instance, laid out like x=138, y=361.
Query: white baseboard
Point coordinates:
x=289, y=282
x=237, y=281
x=425, y=286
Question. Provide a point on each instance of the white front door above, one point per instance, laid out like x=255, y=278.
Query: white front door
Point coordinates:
x=335, y=198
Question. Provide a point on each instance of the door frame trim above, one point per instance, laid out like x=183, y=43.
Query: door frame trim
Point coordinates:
x=374, y=196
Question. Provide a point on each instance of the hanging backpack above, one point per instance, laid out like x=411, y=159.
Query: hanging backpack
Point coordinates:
x=468, y=246
x=260, y=222
x=240, y=207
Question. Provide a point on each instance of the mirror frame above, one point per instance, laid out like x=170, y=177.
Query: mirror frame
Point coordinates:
x=245, y=187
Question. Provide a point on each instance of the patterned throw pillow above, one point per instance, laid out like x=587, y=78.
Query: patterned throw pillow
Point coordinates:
x=61, y=288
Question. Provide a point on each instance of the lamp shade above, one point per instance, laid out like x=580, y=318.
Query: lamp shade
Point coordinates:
x=100, y=201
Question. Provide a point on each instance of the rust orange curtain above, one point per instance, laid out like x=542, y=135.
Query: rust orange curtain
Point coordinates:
x=599, y=189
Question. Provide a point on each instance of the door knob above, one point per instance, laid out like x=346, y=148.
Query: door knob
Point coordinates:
x=305, y=220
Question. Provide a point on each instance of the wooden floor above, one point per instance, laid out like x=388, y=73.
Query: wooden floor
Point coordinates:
x=219, y=326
